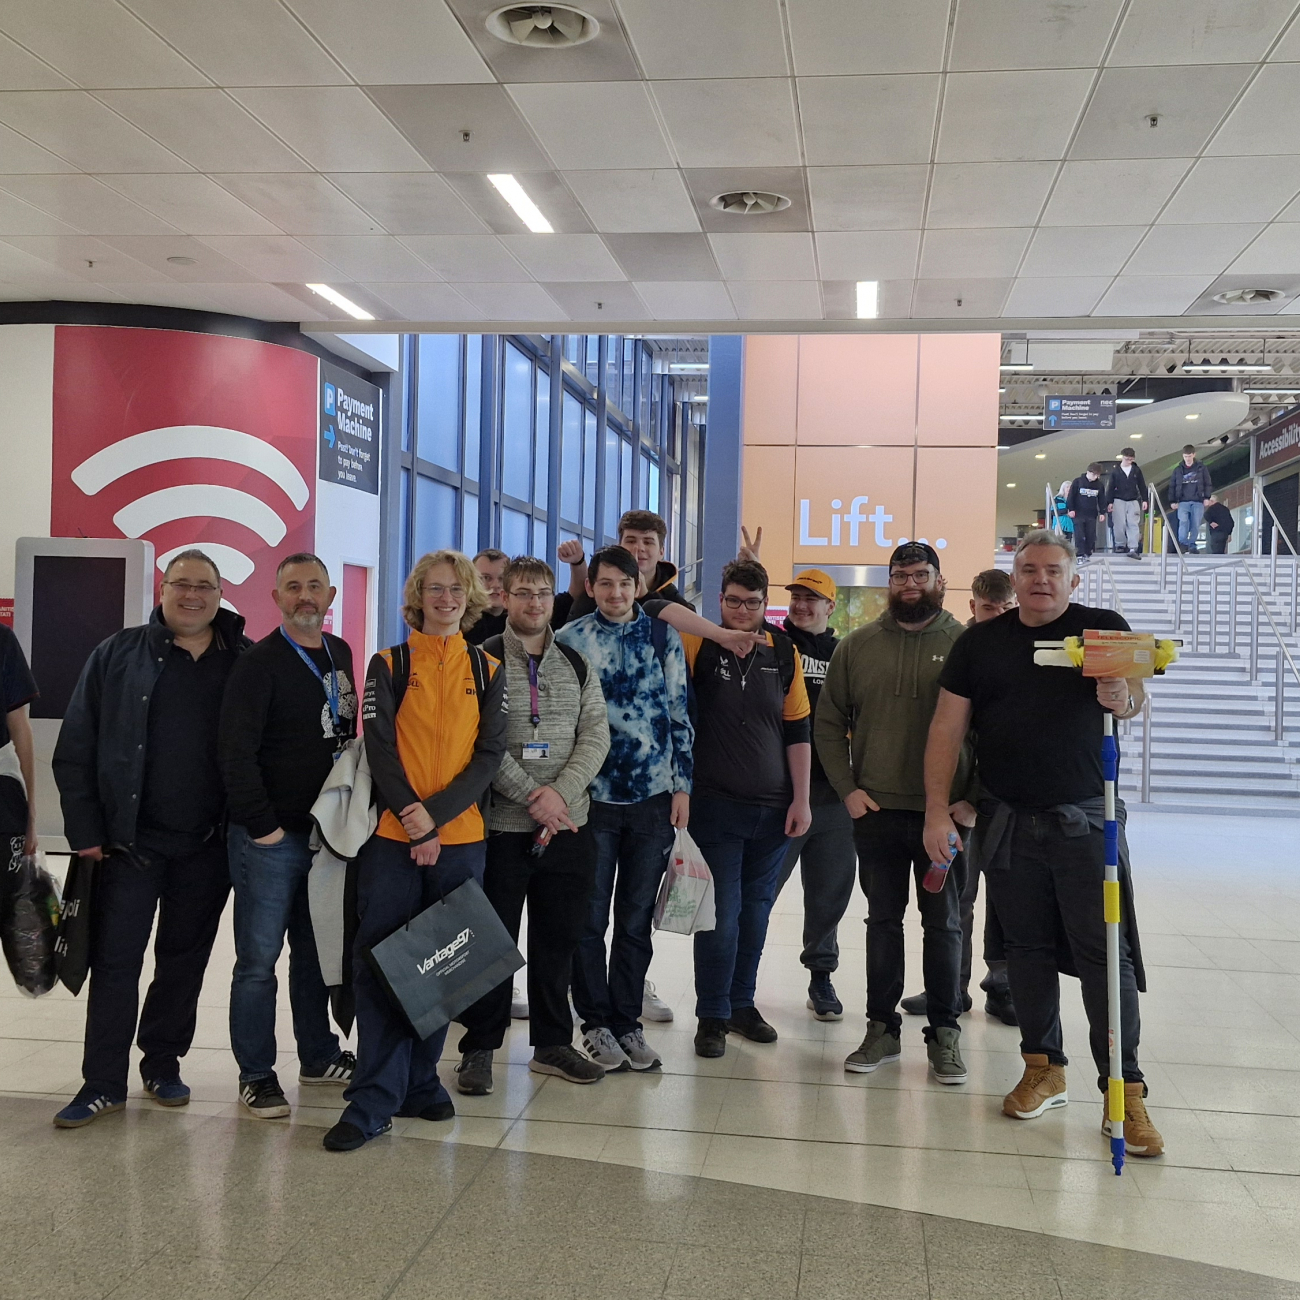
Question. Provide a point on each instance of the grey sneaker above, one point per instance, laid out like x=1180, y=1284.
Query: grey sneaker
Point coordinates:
x=639, y=1052
x=601, y=1045
x=879, y=1047
x=475, y=1073
x=566, y=1062
x=945, y=1055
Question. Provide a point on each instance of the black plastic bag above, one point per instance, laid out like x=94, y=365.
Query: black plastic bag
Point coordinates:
x=29, y=925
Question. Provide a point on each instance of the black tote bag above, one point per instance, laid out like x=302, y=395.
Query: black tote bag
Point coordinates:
x=445, y=959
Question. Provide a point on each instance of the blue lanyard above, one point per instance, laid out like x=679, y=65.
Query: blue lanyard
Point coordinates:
x=332, y=689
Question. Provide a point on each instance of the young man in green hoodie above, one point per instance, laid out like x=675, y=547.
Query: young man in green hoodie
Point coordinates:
x=881, y=689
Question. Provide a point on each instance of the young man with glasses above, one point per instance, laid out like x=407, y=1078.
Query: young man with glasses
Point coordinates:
x=753, y=757
x=136, y=767
x=289, y=708
x=540, y=847
x=880, y=692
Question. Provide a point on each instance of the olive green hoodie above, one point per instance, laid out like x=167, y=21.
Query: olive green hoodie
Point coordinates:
x=874, y=713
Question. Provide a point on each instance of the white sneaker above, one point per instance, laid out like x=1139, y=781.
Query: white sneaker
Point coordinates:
x=603, y=1048
x=518, y=1004
x=653, y=1007
x=639, y=1052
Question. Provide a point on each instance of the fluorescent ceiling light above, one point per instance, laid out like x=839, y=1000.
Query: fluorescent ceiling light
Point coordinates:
x=339, y=301
x=681, y=367
x=1226, y=369
x=868, y=299
x=1134, y=401
x=1265, y=392
x=525, y=209
x=1016, y=366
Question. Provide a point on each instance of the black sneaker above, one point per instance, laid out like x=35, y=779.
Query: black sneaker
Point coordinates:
x=998, y=1004
x=711, y=1037
x=338, y=1072
x=435, y=1113
x=747, y=1022
x=347, y=1137
x=566, y=1062
x=264, y=1098
x=822, y=1001
x=475, y=1073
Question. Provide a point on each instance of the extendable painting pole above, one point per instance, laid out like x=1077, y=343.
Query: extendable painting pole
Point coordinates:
x=1111, y=899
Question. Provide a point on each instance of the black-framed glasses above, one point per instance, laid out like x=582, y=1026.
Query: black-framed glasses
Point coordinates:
x=916, y=579
x=751, y=603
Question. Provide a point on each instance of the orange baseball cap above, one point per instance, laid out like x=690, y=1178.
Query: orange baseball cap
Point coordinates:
x=815, y=580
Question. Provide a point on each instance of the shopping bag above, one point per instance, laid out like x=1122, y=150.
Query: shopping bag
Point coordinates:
x=685, y=902
x=445, y=959
x=72, y=945
x=29, y=923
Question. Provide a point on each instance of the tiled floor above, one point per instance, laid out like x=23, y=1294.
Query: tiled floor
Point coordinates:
x=1219, y=906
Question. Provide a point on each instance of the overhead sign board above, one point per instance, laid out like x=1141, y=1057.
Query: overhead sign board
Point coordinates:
x=349, y=430
x=1277, y=444
x=1081, y=411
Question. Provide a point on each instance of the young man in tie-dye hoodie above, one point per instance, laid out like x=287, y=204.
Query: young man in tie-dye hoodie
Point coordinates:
x=640, y=796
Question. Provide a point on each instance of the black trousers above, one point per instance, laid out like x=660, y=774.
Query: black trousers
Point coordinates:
x=1054, y=884
x=188, y=892
x=1085, y=534
x=557, y=888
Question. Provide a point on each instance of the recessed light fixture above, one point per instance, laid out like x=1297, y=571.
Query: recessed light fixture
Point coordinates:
x=182, y=261
x=1194, y=416
x=339, y=301
x=868, y=299
x=682, y=367
x=524, y=208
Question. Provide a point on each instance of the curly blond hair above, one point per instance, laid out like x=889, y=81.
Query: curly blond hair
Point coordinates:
x=476, y=597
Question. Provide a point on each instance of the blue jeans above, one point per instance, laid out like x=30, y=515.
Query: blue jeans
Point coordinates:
x=633, y=841
x=1190, y=514
x=397, y=1073
x=270, y=883
x=744, y=845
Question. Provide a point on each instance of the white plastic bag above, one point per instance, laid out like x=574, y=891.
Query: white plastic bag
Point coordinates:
x=685, y=902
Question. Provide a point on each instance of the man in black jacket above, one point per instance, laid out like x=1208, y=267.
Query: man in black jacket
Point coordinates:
x=136, y=767
x=1084, y=503
x=290, y=707
x=1219, y=524
x=1189, y=493
x=1126, y=502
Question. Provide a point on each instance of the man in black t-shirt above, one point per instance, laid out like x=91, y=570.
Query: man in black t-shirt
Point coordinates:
x=1040, y=835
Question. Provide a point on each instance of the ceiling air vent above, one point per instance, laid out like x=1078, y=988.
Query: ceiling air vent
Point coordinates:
x=749, y=203
x=542, y=27
x=1248, y=297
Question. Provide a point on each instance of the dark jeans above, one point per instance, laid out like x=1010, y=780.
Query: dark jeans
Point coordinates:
x=1054, y=885
x=271, y=901
x=995, y=956
x=189, y=894
x=891, y=853
x=1085, y=535
x=633, y=841
x=828, y=867
x=744, y=845
x=557, y=888
x=396, y=1071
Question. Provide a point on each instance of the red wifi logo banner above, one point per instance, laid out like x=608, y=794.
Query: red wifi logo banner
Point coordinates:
x=188, y=440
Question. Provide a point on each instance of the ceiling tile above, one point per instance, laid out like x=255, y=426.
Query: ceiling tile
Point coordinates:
x=79, y=128
x=410, y=203
x=370, y=257
x=192, y=203
x=19, y=218
x=706, y=38
x=983, y=254
x=83, y=202
x=1268, y=118
x=205, y=127
x=867, y=198
x=19, y=156
x=563, y=257
x=523, y=301
x=1189, y=250
x=705, y=183
x=777, y=299
x=900, y=110
x=74, y=253
x=1113, y=192
x=22, y=70
x=980, y=195
x=97, y=43
x=594, y=124
x=611, y=300
x=737, y=123
x=958, y=299
x=1188, y=106
x=995, y=34
x=393, y=42
x=1151, y=295
x=241, y=42
x=1198, y=31
x=656, y=257
x=1081, y=250
x=1010, y=116
x=1235, y=189
x=634, y=200
x=335, y=128
x=1275, y=252
x=301, y=203
x=209, y=267
x=435, y=118
x=274, y=257
x=1062, y=295
x=687, y=299
x=843, y=37
x=546, y=190
x=777, y=256
x=868, y=254
x=416, y=301
x=480, y=258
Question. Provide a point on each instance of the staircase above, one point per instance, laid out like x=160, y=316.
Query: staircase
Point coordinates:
x=1213, y=744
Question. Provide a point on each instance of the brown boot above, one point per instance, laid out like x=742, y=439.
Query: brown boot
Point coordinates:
x=1041, y=1088
x=1141, y=1137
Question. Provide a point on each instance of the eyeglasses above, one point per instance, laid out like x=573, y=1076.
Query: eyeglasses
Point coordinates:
x=437, y=590
x=753, y=603
x=916, y=579
x=191, y=588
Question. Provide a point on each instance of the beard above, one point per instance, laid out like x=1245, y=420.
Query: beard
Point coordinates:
x=918, y=611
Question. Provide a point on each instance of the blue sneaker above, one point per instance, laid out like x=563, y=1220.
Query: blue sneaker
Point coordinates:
x=168, y=1092
x=85, y=1108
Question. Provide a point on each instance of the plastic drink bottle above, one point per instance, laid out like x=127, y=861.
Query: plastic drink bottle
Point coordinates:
x=937, y=876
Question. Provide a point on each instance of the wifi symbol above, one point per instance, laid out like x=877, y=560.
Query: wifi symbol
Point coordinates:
x=196, y=500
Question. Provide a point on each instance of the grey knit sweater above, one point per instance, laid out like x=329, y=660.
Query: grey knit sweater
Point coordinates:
x=575, y=724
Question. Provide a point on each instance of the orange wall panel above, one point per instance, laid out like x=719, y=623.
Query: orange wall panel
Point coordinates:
x=857, y=389
x=766, y=485
x=771, y=388
x=956, y=502
x=958, y=394
x=865, y=482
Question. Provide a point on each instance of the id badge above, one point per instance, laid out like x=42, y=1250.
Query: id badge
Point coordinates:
x=535, y=750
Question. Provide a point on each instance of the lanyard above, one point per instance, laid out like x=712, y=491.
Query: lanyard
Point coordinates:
x=332, y=689
x=533, y=700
